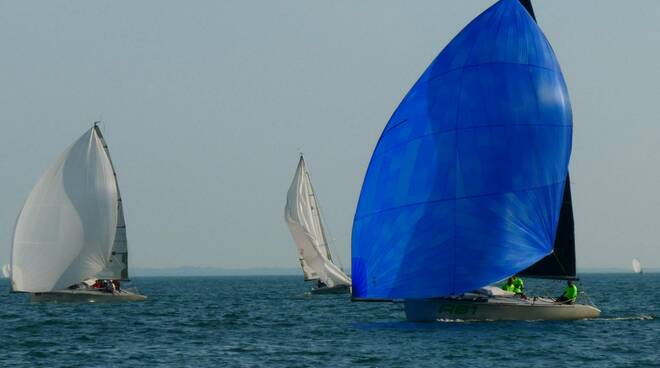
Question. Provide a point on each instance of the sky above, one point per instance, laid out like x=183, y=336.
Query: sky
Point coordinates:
x=207, y=104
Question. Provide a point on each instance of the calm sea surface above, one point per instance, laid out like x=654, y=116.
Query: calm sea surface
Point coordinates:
x=273, y=322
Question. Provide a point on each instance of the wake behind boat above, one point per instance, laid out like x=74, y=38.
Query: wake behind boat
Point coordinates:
x=469, y=181
x=302, y=215
x=70, y=237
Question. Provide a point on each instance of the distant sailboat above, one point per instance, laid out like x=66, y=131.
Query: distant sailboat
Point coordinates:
x=6, y=271
x=303, y=217
x=637, y=266
x=469, y=183
x=71, y=231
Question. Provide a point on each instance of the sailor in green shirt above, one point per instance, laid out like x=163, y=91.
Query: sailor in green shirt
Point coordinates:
x=513, y=284
x=518, y=284
x=570, y=294
x=508, y=285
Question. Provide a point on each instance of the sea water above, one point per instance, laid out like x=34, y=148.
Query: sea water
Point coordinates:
x=274, y=322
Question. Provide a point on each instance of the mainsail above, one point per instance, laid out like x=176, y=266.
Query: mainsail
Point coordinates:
x=636, y=265
x=304, y=220
x=117, y=267
x=65, y=231
x=465, y=185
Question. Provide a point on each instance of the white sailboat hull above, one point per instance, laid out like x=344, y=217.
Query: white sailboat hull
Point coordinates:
x=495, y=309
x=86, y=296
x=339, y=289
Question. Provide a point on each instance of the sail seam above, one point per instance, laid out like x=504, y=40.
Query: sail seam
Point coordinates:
x=472, y=66
x=458, y=199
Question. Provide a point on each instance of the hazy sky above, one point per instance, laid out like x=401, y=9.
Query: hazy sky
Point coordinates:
x=206, y=105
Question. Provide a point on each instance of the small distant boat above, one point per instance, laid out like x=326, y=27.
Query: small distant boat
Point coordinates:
x=302, y=215
x=637, y=266
x=6, y=271
x=469, y=185
x=71, y=231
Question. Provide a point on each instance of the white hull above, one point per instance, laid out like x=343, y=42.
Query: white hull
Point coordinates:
x=495, y=309
x=86, y=296
x=339, y=289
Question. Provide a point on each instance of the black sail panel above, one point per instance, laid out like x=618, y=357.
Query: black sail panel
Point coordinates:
x=528, y=6
x=560, y=264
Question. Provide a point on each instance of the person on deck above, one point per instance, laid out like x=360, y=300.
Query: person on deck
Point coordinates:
x=570, y=294
x=518, y=284
x=509, y=286
x=514, y=285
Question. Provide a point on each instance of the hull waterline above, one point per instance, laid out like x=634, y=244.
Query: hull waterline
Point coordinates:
x=340, y=289
x=496, y=309
x=86, y=296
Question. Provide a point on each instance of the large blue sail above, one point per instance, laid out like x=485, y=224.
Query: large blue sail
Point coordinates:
x=465, y=185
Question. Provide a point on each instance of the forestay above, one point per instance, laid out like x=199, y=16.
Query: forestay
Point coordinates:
x=66, y=229
x=303, y=218
x=465, y=185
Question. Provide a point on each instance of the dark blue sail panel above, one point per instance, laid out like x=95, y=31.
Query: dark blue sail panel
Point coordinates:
x=465, y=185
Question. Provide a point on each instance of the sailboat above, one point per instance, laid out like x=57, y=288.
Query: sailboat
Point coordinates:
x=469, y=185
x=303, y=216
x=637, y=266
x=71, y=233
x=6, y=270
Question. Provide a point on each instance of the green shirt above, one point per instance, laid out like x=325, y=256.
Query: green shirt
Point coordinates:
x=571, y=292
x=509, y=287
x=519, y=284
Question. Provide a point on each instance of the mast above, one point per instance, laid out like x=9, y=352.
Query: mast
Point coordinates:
x=560, y=264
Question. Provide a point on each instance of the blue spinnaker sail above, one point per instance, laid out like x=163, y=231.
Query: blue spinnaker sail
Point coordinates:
x=464, y=187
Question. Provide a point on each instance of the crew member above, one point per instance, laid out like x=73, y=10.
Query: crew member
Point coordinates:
x=509, y=286
x=570, y=294
x=518, y=284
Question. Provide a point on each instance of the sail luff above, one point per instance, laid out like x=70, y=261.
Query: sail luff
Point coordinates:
x=117, y=267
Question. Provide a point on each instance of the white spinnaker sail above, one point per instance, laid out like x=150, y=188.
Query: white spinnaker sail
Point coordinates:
x=636, y=265
x=66, y=228
x=302, y=216
x=117, y=267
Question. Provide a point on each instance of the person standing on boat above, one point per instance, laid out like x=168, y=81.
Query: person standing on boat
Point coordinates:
x=570, y=294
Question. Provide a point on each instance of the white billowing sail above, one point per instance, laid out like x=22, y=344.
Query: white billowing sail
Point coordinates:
x=6, y=270
x=303, y=218
x=66, y=229
x=636, y=265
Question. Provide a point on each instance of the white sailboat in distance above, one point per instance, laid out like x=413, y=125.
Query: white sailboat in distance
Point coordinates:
x=303, y=217
x=70, y=237
x=637, y=266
